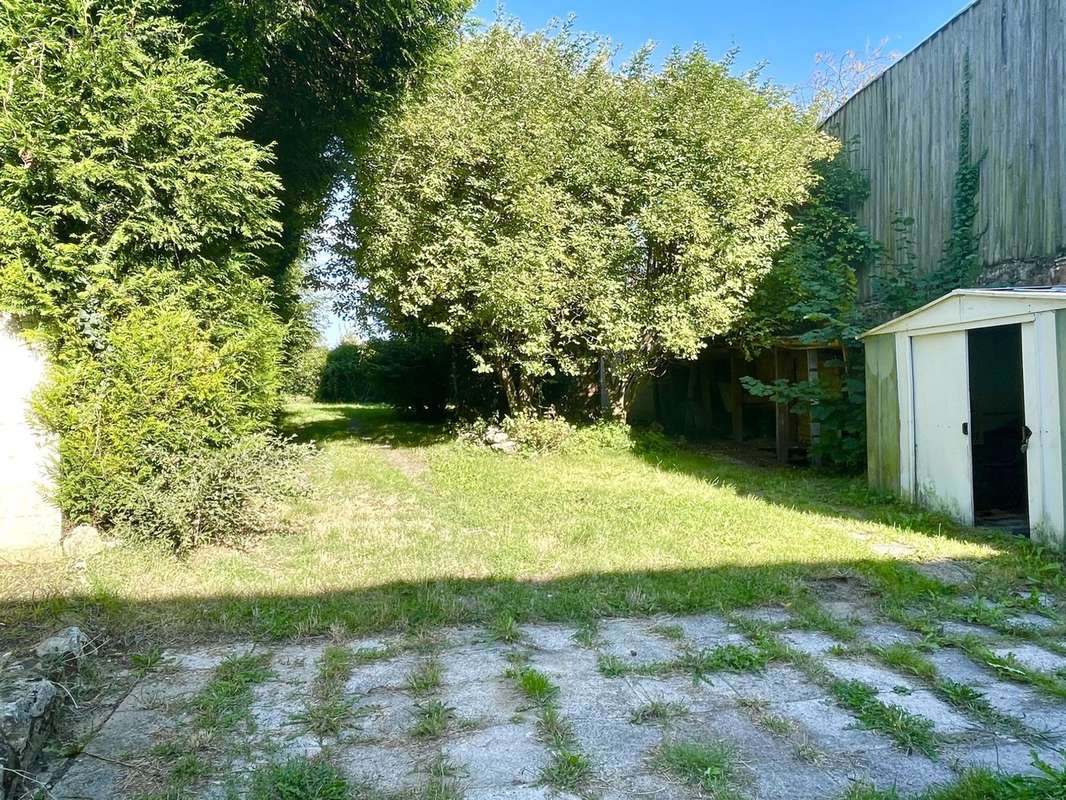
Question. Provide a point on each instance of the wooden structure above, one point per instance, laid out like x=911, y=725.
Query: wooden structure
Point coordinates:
x=903, y=131
x=704, y=399
x=966, y=408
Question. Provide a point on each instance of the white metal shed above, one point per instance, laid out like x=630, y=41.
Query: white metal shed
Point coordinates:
x=965, y=408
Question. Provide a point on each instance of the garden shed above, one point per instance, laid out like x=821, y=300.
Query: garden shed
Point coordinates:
x=965, y=407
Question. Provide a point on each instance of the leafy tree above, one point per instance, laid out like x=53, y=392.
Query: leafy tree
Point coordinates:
x=545, y=210
x=131, y=215
x=323, y=74
x=120, y=155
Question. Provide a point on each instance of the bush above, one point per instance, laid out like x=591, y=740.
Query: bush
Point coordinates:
x=164, y=383
x=412, y=371
x=303, y=374
x=522, y=432
x=541, y=434
x=216, y=496
x=344, y=377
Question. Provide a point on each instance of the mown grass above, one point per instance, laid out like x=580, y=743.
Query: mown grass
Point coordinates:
x=410, y=529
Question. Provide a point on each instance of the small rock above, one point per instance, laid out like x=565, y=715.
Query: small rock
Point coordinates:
x=494, y=435
x=505, y=447
x=69, y=642
x=82, y=541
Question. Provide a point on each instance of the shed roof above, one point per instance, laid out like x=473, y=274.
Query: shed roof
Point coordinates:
x=975, y=308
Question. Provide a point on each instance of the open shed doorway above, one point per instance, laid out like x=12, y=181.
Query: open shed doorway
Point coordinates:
x=997, y=428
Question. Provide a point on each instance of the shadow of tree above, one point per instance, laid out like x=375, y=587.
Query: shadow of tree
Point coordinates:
x=380, y=424
x=258, y=606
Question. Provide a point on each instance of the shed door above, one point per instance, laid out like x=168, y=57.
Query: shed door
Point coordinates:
x=943, y=469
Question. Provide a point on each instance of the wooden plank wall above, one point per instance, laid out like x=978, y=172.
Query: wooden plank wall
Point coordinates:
x=907, y=122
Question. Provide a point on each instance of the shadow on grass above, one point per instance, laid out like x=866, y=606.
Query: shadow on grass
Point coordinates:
x=324, y=422
x=126, y=614
x=452, y=601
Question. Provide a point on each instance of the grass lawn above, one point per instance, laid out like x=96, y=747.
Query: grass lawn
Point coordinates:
x=409, y=528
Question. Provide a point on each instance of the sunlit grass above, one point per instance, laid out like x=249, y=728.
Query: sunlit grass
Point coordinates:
x=409, y=528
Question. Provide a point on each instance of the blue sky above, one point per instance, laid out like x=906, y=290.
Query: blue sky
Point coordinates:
x=786, y=34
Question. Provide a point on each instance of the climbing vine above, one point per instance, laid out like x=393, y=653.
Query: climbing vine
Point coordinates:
x=817, y=270
x=903, y=285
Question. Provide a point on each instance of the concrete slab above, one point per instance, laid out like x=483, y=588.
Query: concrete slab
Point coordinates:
x=886, y=634
x=495, y=745
x=549, y=637
x=503, y=756
x=884, y=680
x=1033, y=656
x=633, y=643
x=386, y=769
x=956, y=666
x=706, y=631
x=813, y=643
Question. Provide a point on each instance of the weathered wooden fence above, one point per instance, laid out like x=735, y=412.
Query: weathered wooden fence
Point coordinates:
x=906, y=127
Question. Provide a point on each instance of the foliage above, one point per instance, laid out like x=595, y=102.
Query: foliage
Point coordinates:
x=411, y=370
x=131, y=212
x=302, y=376
x=162, y=384
x=810, y=294
x=538, y=432
x=120, y=154
x=302, y=353
x=543, y=210
x=323, y=73
x=345, y=374
x=299, y=779
x=408, y=370
x=223, y=495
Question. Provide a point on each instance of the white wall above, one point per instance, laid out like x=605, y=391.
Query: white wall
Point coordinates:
x=27, y=519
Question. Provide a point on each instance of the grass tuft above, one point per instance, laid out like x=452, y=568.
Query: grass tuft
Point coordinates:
x=532, y=683
x=431, y=719
x=226, y=699
x=425, y=678
x=708, y=766
x=657, y=711
x=909, y=731
x=567, y=771
x=299, y=779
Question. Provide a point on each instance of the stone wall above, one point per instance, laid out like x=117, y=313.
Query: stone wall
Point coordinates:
x=1033, y=272
x=27, y=519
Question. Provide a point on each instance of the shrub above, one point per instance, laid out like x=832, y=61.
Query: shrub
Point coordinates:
x=303, y=374
x=133, y=216
x=539, y=433
x=524, y=432
x=411, y=371
x=344, y=377
x=217, y=496
x=164, y=383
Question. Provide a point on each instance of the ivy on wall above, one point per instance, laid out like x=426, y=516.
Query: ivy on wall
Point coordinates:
x=827, y=243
